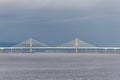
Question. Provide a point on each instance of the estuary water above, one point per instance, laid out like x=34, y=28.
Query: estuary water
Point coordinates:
x=59, y=66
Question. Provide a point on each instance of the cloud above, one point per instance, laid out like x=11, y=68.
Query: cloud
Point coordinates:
x=53, y=4
x=60, y=4
x=103, y=18
x=56, y=16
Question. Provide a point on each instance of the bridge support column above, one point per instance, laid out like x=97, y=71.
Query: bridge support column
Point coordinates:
x=31, y=45
x=11, y=50
x=76, y=45
x=1, y=50
x=105, y=50
x=115, y=50
x=21, y=50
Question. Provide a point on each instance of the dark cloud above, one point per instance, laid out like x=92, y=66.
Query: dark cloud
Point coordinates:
x=56, y=22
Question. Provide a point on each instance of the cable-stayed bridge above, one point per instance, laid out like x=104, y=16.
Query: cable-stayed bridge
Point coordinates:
x=74, y=46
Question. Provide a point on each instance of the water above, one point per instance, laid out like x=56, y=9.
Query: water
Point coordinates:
x=59, y=66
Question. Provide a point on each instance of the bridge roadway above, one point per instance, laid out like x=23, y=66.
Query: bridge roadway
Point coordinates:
x=83, y=49
x=60, y=47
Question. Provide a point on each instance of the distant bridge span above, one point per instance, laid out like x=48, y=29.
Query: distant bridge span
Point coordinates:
x=61, y=47
x=76, y=46
x=87, y=49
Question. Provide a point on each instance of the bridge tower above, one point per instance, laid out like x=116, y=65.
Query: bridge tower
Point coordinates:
x=76, y=45
x=31, y=45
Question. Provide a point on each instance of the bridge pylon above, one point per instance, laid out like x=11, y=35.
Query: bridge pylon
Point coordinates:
x=31, y=45
x=76, y=45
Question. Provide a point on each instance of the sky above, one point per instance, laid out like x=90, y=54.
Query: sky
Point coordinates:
x=56, y=22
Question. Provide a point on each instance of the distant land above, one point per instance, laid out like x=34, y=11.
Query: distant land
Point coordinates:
x=7, y=44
